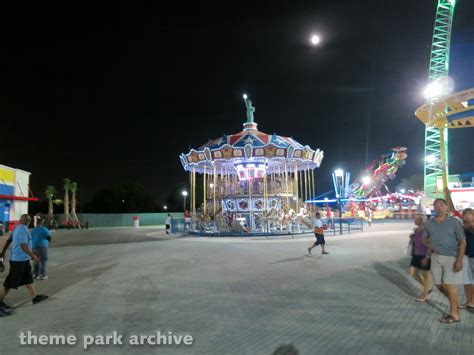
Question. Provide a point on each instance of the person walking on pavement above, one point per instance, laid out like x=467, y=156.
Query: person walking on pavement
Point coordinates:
x=446, y=239
x=20, y=267
x=319, y=228
x=468, y=262
x=420, y=271
x=41, y=237
x=169, y=218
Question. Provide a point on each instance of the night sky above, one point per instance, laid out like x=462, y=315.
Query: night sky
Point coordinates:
x=107, y=93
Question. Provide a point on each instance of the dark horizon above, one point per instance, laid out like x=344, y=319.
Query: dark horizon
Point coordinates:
x=109, y=95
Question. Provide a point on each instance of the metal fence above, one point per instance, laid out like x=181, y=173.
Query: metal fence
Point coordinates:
x=101, y=220
x=344, y=225
x=212, y=229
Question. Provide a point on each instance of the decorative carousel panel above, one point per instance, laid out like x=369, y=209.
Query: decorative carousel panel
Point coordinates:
x=217, y=154
x=183, y=161
x=207, y=154
x=280, y=152
x=297, y=154
x=318, y=157
x=274, y=203
x=259, y=152
x=243, y=205
x=238, y=153
x=230, y=205
x=290, y=152
x=193, y=157
x=258, y=204
x=270, y=151
x=248, y=151
x=226, y=152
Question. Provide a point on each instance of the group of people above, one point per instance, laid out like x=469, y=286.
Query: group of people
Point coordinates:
x=443, y=249
x=25, y=247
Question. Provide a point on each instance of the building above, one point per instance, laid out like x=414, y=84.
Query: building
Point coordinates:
x=14, y=195
x=461, y=187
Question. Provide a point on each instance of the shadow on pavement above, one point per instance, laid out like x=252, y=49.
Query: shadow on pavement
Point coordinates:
x=289, y=260
x=400, y=280
x=69, y=275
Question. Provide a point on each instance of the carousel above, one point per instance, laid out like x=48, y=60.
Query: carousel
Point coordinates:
x=251, y=182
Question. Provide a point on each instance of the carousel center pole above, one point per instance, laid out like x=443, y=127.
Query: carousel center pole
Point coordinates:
x=204, y=190
x=286, y=186
x=214, y=193
x=250, y=203
x=296, y=182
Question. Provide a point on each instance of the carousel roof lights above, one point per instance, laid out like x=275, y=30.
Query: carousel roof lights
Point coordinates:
x=252, y=145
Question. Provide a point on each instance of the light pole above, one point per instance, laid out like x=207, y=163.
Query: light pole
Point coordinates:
x=184, y=193
x=339, y=175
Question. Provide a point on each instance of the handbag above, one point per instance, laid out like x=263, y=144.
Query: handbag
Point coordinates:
x=409, y=249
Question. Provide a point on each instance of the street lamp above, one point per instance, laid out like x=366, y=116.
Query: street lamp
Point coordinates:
x=165, y=207
x=339, y=175
x=184, y=193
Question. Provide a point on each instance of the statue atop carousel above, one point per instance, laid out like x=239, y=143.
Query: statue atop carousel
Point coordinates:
x=251, y=181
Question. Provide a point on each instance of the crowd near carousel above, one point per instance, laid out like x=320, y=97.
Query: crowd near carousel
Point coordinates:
x=251, y=182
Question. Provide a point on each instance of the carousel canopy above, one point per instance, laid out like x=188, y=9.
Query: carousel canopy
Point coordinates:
x=251, y=148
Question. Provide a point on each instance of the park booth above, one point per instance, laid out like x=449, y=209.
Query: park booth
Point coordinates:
x=14, y=195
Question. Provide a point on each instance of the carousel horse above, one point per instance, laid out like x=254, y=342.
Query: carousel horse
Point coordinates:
x=266, y=218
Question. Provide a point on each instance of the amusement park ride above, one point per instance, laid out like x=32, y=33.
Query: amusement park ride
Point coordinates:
x=443, y=110
x=260, y=182
x=251, y=180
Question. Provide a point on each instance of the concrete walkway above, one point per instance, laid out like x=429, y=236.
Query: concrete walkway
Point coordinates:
x=235, y=296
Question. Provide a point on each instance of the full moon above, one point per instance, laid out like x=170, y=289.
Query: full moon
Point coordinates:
x=315, y=39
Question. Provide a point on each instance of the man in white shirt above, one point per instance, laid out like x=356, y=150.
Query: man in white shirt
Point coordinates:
x=319, y=228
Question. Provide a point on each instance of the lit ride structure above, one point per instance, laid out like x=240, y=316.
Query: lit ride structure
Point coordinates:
x=251, y=182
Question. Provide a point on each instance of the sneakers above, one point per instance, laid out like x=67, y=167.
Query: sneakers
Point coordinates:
x=325, y=253
x=36, y=276
x=309, y=251
x=43, y=277
x=39, y=298
x=4, y=312
x=5, y=306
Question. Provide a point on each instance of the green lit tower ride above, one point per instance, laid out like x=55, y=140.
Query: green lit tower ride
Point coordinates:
x=439, y=68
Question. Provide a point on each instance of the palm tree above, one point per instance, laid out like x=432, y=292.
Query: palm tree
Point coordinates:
x=73, y=187
x=50, y=192
x=67, y=187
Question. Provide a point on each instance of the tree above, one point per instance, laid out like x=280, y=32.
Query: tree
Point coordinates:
x=414, y=182
x=67, y=187
x=50, y=192
x=73, y=187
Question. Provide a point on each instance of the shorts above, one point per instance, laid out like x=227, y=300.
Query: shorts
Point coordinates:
x=468, y=270
x=416, y=262
x=168, y=226
x=442, y=270
x=319, y=239
x=19, y=275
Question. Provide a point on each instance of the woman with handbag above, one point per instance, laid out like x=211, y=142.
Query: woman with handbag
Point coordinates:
x=419, y=269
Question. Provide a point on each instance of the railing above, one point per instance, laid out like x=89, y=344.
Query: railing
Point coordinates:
x=212, y=228
x=345, y=225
